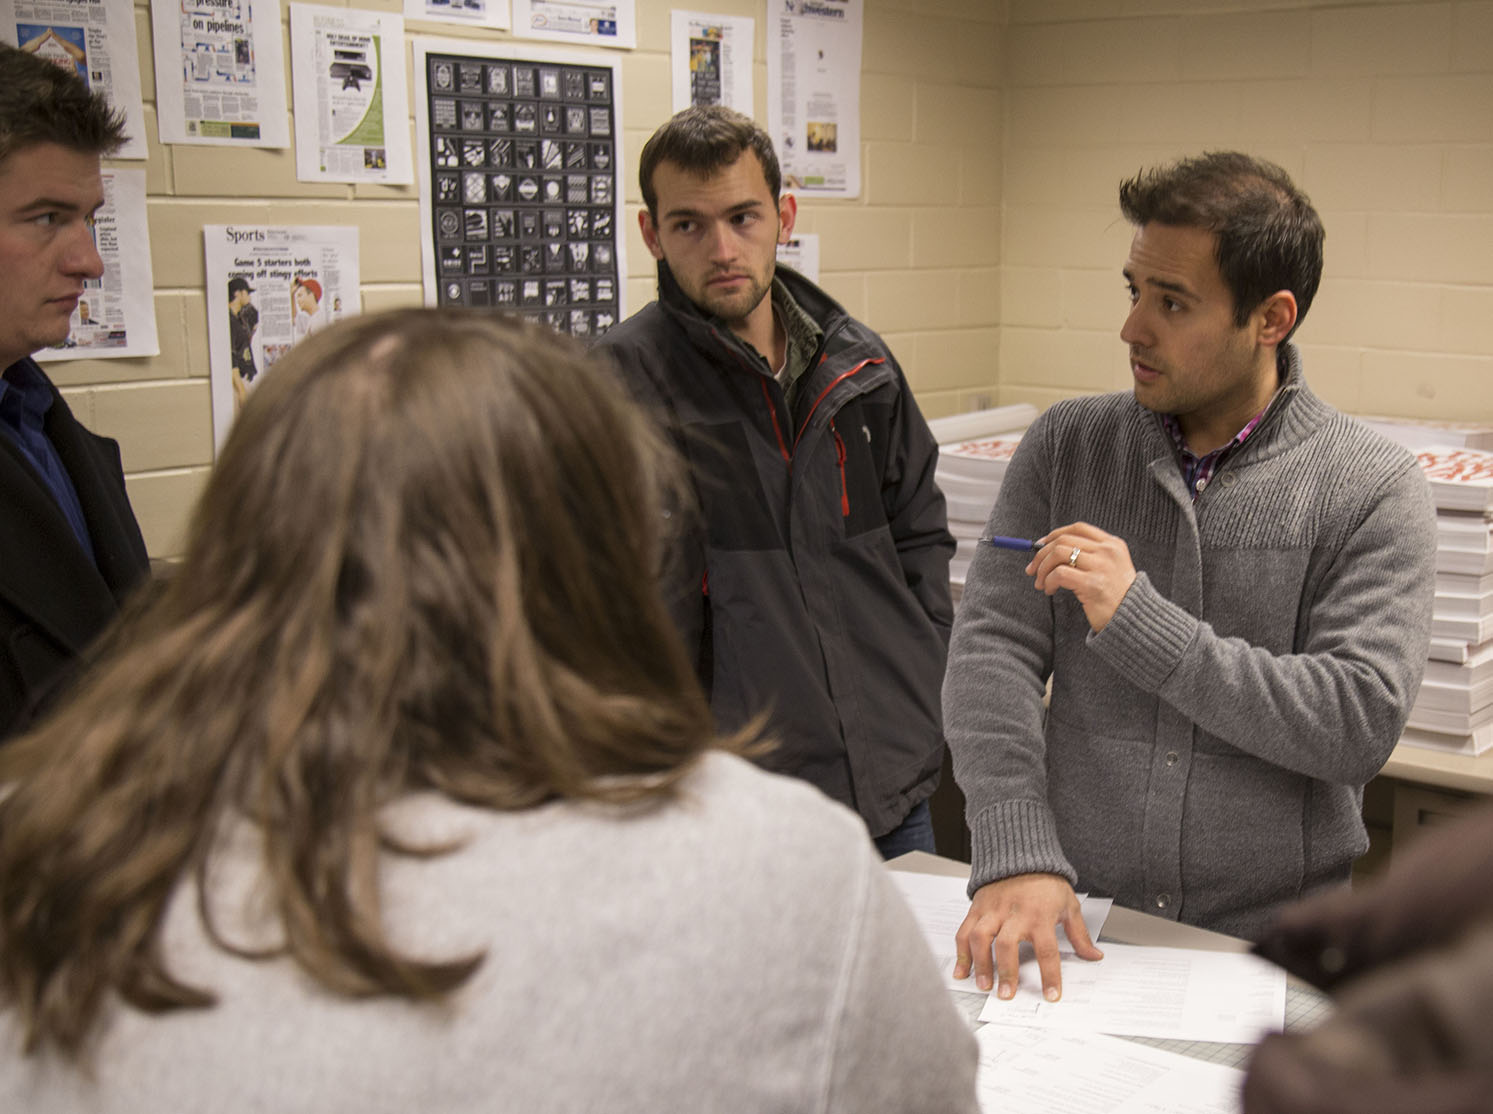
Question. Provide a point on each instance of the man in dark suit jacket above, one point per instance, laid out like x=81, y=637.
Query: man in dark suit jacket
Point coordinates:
x=70, y=549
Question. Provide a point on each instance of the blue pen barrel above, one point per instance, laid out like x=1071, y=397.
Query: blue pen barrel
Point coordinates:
x=1001, y=542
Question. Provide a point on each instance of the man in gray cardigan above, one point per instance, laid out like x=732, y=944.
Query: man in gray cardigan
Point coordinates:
x=1230, y=590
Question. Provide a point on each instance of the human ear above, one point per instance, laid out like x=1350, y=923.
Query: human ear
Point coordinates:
x=787, y=215
x=650, y=233
x=1277, y=317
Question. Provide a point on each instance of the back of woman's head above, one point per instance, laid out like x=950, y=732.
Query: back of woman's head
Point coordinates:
x=426, y=558
x=459, y=519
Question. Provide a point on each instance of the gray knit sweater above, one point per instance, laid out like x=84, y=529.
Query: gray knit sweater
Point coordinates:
x=1203, y=757
x=739, y=950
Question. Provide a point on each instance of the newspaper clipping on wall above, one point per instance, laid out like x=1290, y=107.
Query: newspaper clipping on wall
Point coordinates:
x=116, y=314
x=268, y=288
x=814, y=95
x=518, y=160
x=474, y=13
x=94, y=39
x=711, y=58
x=351, y=111
x=220, y=73
x=801, y=253
x=584, y=22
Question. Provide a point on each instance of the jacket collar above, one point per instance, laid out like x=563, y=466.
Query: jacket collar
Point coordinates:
x=827, y=313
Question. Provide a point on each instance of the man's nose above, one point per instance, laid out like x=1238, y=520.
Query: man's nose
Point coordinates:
x=722, y=242
x=82, y=253
x=1134, y=330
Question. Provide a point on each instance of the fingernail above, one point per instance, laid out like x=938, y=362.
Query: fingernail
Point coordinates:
x=983, y=982
x=1051, y=994
x=1007, y=990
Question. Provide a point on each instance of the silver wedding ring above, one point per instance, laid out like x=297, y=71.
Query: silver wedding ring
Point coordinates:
x=1073, y=557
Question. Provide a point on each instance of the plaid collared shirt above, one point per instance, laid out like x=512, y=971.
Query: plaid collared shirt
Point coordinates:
x=1198, y=471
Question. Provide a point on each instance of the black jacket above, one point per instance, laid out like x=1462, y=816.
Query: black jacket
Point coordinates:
x=53, y=600
x=815, y=582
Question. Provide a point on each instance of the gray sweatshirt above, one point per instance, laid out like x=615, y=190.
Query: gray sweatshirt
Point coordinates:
x=739, y=950
x=1203, y=757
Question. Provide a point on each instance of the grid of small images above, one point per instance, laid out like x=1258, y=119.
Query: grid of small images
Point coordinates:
x=523, y=172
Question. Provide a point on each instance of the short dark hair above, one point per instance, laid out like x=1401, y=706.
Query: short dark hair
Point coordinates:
x=237, y=283
x=703, y=139
x=41, y=102
x=1269, y=236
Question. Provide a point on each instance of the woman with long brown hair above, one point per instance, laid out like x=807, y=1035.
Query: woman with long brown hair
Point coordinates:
x=402, y=796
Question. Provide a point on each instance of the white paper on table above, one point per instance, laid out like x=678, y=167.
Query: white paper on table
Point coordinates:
x=939, y=903
x=1029, y=1071
x=1171, y=993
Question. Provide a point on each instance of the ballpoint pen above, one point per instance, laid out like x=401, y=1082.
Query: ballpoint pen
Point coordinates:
x=1009, y=543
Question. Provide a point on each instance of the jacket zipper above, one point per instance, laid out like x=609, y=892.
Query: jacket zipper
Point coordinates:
x=844, y=375
x=772, y=410
x=840, y=460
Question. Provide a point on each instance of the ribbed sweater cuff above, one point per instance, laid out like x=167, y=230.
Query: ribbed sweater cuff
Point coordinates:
x=1146, y=637
x=1016, y=837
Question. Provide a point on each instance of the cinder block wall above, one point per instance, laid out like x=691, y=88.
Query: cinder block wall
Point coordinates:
x=986, y=244
x=917, y=253
x=1383, y=112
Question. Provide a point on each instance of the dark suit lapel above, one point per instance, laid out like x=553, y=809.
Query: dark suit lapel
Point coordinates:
x=44, y=572
x=93, y=464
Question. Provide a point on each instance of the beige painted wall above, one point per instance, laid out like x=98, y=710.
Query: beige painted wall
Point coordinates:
x=917, y=253
x=1382, y=112
x=986, y=245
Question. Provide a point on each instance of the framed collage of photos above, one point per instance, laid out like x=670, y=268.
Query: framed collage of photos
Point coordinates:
x=519, y=200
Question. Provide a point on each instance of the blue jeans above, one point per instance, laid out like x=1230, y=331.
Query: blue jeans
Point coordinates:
x=915, y=833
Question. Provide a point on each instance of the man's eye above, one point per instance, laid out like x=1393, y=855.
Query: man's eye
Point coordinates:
x=44, y=219
x=1132, y=293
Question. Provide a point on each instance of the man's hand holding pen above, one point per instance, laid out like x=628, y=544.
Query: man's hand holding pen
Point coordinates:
x=1093, y=565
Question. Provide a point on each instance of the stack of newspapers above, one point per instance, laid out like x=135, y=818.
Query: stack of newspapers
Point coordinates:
x=1454, y=711
x=973, y=451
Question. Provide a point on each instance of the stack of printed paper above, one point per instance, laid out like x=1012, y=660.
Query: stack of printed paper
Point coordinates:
x=1421, y=433
x=1454, y=710
x=973, y=452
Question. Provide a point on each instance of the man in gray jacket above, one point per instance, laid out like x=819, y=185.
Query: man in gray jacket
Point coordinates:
x=1232, y=601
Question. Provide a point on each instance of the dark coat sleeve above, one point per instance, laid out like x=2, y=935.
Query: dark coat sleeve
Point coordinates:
x=916, y=512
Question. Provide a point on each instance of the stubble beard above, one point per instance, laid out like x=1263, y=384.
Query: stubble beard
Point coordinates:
x=737, y=307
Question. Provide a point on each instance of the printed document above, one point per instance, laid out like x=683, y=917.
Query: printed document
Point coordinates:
x=1027, y=1071
x=1171, y=993
x=96, y=40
